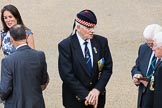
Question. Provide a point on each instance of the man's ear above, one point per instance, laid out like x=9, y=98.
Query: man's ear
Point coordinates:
x=78, y=27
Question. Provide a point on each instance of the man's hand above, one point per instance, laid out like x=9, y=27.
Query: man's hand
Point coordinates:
x=136, y=79
x=144, y=82
x=45, y=85
x=92, y=98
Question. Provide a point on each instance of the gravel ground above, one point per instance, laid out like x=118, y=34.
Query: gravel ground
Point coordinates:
x=121, y=21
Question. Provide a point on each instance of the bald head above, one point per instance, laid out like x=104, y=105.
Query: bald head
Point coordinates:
x=17, y=32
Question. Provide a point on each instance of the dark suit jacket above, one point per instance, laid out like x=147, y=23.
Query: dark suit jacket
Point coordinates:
x=142, y=62
x=22, y=74
x=77, y=81
x=158, y=86
x=154, y=97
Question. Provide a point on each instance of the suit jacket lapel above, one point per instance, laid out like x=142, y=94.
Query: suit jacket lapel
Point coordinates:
x=147, y=55
x=157, y=65
x=156, y=71
x=95, y=51
x=79, y=53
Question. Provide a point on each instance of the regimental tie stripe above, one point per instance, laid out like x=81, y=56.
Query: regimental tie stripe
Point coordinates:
x=88, y=60
x=153, y=63
x=87, y=57
x=152, y=67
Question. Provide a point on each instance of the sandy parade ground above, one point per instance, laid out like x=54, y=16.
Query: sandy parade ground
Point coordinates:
x=121, y=21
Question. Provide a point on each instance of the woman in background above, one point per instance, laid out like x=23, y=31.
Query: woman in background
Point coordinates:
x=9, y=17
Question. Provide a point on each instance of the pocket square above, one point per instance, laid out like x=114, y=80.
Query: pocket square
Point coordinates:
x=101, y=63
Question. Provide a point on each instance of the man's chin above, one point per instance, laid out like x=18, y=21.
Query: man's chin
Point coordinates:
x=91, y=36
x=158, y=56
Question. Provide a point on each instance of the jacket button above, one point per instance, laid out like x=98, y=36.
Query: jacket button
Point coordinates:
x=90, y=83
x=78, y=99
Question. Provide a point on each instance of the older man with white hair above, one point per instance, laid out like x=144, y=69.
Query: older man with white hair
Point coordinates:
x=157, y=45
x=154, y=88
x=145, y=63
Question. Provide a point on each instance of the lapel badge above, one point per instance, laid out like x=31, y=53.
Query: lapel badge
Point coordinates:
x=95, y=50
x=152, y=83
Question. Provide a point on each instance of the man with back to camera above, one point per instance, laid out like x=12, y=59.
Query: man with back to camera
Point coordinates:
x=145, y=64
x=23, y=74
x=85, y=64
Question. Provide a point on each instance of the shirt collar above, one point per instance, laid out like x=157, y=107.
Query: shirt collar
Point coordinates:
x=20, y=46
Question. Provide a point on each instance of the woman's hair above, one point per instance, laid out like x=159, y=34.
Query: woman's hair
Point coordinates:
x=14, y=11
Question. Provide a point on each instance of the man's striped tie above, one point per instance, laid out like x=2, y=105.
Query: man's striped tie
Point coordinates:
x=152, y=67
x=87, y=57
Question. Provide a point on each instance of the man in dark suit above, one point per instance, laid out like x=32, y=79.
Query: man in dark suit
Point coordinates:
x=23, y=74
x=154, y=87
x=143, y=68
x=85, y=64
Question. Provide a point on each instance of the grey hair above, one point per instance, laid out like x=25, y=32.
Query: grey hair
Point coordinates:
x=151, y=30
x=158, y=39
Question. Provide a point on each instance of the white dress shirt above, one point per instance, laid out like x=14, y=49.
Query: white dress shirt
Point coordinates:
x=81, y=42
x=20, y=46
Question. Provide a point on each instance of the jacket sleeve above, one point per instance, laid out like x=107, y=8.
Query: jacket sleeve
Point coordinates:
x=45, y=76
x=107, y=68
x=135, y=69
x=6, y=80
x=67, y=74
x=158, y=87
